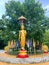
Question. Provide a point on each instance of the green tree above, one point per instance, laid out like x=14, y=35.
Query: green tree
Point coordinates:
x=46, y=38
x=34, y=13
x=36, y=16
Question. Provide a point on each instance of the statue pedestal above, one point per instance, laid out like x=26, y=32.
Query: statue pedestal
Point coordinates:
x=22, y=54
x=46, y=52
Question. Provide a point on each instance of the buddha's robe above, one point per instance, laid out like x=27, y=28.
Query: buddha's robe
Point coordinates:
x=22, y=37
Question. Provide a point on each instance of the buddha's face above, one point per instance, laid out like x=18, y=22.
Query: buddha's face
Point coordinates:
x=22, y=27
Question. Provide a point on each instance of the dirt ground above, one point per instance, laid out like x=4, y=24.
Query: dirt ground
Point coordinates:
x=46, y=63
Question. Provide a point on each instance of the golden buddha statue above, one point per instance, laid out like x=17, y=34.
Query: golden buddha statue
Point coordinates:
x=22, y=39
x=22, y=36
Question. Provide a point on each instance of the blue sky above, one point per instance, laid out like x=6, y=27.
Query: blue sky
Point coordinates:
x=45, y=5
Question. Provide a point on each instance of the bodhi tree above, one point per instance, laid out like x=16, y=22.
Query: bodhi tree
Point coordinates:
x=34, y=13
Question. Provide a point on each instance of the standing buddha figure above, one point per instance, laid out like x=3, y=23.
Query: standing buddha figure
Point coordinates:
x=22, y=36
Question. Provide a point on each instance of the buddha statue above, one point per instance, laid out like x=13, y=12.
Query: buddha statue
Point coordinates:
x=22, y=36
x=22, y=39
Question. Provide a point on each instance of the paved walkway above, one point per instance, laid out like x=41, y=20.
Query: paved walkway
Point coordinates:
x=2, y=51
x=6, y=55
x=46, y=63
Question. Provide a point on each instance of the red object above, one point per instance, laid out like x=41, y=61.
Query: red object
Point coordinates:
x=45, y=52
x=22, y=50
x=22, y=56
x=6, y=52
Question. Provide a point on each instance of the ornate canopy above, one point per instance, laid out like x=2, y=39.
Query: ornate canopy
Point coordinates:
x=22, y=18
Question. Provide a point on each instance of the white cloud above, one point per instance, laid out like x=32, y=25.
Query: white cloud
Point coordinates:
x=2, y=7
x=47, y=10
x=2, y=2
x=46, y=7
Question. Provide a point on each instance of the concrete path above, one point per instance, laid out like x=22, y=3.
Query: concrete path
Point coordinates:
x=2, y=51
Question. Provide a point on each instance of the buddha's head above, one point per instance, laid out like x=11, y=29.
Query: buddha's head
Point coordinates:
x=22, y=27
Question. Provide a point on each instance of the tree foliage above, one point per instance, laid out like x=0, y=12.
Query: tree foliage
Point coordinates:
x=34, y=13
x=46, y=37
